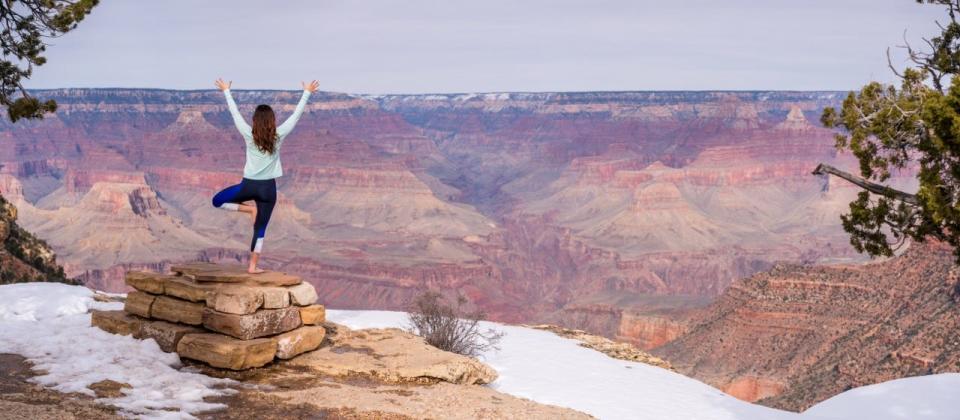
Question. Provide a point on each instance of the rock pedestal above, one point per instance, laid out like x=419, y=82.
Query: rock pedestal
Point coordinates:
x=220, y=314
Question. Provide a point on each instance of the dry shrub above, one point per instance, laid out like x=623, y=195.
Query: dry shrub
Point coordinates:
x=449, y=327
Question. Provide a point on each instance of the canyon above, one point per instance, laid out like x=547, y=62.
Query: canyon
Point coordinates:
x=797, y=335
x=620, y=213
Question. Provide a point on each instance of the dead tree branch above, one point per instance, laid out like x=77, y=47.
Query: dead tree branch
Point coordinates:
x=879, y=189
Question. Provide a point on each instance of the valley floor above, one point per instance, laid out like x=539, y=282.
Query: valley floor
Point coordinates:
x=48, y=324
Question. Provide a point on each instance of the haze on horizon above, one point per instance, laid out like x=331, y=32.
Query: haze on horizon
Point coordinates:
x=436, y=46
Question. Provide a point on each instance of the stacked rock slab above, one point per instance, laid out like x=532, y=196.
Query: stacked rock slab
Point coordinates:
x=220, y=314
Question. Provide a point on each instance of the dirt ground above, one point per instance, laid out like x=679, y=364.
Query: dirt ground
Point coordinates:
x=20, y=399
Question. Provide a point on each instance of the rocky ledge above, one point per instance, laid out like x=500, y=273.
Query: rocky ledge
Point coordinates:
x=616, y=350
x=376, y=373
x=267, y=332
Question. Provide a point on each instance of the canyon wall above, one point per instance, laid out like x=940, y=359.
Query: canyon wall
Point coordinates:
x=574, y=208
x=796, y=335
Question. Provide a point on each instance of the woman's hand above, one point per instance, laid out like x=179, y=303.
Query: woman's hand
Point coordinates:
x=223, y=85
x=312, y=87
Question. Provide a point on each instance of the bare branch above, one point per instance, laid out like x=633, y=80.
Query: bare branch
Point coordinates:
x=879, y=189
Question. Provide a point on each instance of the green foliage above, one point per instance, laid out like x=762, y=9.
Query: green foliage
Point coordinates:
x=32, y=251
x=915, y=127
x=25, y=26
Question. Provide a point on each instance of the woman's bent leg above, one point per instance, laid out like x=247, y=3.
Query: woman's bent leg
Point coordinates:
x=229, y=198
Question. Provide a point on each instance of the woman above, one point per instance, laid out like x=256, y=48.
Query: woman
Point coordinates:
x=263, y=167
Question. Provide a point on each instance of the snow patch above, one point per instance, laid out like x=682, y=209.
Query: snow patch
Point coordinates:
x=921, y=397
x=49, y=324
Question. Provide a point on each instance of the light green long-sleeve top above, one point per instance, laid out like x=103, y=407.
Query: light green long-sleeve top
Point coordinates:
x=262, y=165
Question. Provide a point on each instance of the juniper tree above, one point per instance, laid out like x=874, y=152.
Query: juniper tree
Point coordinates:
x=915, y=126
x=24, y=27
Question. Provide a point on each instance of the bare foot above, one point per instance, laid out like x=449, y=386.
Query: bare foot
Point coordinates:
x=255, y=271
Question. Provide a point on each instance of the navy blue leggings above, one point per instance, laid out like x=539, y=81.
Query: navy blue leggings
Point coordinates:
x=261, y=191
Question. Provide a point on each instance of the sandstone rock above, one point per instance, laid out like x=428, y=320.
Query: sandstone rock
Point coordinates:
x=115, y=322
x=220, y=273
x=303, y=294
x=223, y=275
x=176, y=310
x=258, y=324
x=226, y=352
x=146, y=281
x=313, y=314
x=235, y=299
x=106, y=298
x=139, y=303
x=108, y=388
x=752, y=388
x=275, y=297
x=622, y=351
x=273, y=278
x=209, y=272
x=191, y=269
x=393, y=402
x=166, y=334
x=392, y=355
x=298, y=341
x=186, y=289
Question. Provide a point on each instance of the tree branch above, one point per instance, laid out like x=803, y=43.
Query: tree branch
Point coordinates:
x=879, y=189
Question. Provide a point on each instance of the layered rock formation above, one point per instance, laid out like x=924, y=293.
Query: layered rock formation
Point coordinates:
x=796, y=335
x=539, y=207
x=24, y=257
x=220, y=315
x=622, y=351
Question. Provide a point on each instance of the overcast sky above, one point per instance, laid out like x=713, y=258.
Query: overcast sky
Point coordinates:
x=427, y=46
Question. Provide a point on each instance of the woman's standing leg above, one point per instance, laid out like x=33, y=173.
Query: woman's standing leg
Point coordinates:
x=266, y=200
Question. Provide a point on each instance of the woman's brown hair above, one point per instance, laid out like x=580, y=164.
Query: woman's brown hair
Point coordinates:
x=265, y=129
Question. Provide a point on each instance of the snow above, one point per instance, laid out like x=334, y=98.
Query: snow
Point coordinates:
x=546, y=368
x=50, y=325
x=917, y=398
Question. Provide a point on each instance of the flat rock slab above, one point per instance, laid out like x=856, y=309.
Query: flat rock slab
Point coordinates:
x=236, y=299
x=145, y=281
x=139, y=303
x=227, y=353
x=115, y=322
x=394, y=356
x=166, y=334
x=191, y=269
x=177, y=310
x=258, y=324
x=299, y=341
x=217, y=273
x=313, y=314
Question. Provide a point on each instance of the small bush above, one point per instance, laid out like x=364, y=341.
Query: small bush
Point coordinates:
x=449, y=328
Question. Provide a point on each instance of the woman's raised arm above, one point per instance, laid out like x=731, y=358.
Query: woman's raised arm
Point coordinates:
x=288, y=125
x=238, y=120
